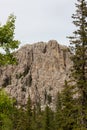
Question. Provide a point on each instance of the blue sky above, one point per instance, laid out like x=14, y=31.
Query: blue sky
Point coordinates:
x=40, y=20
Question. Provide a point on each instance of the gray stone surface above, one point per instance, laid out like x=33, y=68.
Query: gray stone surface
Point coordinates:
x=41, y=71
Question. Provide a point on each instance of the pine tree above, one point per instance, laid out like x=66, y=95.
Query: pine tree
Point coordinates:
x=58, y=114
x=48, y=119
x=29, y=114
x=19, y=121
x=79, y=72
x=67, y=114
x=69, y=108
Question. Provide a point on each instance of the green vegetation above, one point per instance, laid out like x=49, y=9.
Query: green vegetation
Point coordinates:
x=7, y=42
x=6, y=109
x=71, y=104
x=79, y=71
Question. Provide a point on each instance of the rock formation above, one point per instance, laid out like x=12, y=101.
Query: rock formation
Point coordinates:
x=40, y=73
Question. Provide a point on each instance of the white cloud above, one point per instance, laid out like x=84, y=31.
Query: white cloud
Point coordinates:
x=39, y=19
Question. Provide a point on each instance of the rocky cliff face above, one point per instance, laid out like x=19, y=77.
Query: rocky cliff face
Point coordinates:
x=40, y=73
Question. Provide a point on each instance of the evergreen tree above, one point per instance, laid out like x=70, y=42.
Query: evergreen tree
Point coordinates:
x=20, y=119
x=69, y=108
x=29, y=114
x=48, y=119
x=58, y=114
x=66, y=109
x=37, y=118
x=79, y=73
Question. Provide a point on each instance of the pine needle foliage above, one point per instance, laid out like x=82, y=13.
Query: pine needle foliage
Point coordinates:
x=79, y=41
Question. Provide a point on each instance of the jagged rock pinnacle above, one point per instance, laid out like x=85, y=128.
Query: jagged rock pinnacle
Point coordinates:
x=41, y=71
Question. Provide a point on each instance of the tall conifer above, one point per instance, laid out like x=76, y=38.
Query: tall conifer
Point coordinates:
x=79, y=73
x=29, y=114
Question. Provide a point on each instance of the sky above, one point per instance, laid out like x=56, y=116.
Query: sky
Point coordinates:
x=40, y=20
